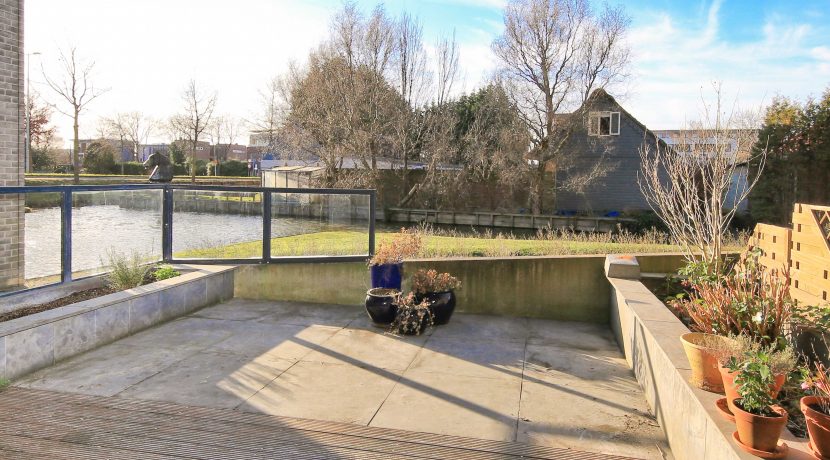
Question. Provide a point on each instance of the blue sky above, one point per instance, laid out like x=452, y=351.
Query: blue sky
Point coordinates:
x=147, y=51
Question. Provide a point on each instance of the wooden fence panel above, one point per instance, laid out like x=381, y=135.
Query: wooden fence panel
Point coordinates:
x=805, y=249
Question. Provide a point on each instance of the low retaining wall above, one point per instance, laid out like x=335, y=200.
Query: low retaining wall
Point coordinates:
x=555, y=287
x=649, y=335
x=40, y=340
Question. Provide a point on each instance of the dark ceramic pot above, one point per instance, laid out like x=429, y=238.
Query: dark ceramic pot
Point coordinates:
x=380, y=304
x=442, y=305
x=387, y=276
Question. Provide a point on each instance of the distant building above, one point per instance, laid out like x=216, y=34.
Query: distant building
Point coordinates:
x=224, y=152
x=122, y=149
x=203, y=150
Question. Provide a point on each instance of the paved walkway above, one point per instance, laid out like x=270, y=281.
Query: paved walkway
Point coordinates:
x=545, y=383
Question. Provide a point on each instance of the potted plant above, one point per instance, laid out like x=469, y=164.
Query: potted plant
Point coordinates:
x=386, y=265
x=438, y=289
x=380, y=305
x=747, y=301
x=412, y=317
x=816, y=409
x=743, y=347
x=758, y=420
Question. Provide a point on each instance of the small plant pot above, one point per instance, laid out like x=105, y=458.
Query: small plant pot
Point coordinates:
x=388, y=276
x=818, y=426
x=699, y=348
x=731, y=390
x=380, y=305
x=759, y=432
x=442, y=305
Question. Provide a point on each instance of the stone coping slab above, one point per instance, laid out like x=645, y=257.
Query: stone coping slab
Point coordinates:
x=649, y=336
x=39, y=340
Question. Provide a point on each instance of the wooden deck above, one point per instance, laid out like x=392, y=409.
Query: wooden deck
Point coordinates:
x=49, y=425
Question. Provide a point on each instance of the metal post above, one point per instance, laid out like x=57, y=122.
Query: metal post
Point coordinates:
x=167, y=224
x=66, y=237
x=372, y=223
x=266, y=227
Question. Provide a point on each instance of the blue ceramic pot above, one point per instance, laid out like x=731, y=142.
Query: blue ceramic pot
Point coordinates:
x=388, y=276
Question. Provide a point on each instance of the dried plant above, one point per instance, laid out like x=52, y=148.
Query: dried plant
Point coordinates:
x=425, y=281
x=750, y=300
x=407, y=243
x=817, y=383
x=739, y=347
x=412, y=317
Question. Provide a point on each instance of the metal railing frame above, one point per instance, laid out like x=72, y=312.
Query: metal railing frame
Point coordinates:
x=167, y=220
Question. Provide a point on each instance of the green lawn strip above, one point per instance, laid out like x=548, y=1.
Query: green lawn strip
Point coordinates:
x=351, y=243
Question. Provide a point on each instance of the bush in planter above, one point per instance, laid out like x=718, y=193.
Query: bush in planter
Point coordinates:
x=758, y=420
x=412, y=317
x=816, y=409
x=127, y=271
x=386, y=265
x=439, y=290
x=749, y=300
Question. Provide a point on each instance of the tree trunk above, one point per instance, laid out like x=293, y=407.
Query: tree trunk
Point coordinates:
x=75, y=146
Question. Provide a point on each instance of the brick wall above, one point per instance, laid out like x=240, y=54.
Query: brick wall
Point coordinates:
x=11, y=141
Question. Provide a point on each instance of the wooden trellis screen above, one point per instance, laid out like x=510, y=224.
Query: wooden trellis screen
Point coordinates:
x=805, y=249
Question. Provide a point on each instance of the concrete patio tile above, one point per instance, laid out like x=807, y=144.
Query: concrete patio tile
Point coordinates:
x=483, y=328
x=323, y=391
x=273, y=340
x=600, y=421
x=363, y=348
x=453, y=405
x=474, y=359
x=210, y=380
x=606, y=369
x=105, y=371
x=571, y=334
x=236, y=310
x=307, y=314
x=193, y=333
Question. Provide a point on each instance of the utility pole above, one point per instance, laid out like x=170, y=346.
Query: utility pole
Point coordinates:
x=27, y=160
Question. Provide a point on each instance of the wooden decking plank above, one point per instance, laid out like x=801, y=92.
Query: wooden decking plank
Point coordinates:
x=25, y=447
x=186, y=443
x=179, y=430
x=170, y=430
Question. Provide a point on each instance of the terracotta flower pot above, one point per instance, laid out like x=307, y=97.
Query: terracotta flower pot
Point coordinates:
x=759, y=432
x=731, y=390
x=699, y=348
x=818, y=425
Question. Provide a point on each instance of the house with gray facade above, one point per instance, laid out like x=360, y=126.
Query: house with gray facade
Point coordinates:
x=599, y=175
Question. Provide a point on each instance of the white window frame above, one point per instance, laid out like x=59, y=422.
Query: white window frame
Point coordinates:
x=594, y=123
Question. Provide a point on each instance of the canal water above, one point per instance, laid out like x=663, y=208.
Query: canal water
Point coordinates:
x=99, y=230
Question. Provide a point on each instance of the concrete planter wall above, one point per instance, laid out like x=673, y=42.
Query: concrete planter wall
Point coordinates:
x=552, y=287
x=36, y=341
x=649, y=335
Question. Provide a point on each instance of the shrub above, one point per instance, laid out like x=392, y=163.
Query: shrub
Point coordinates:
x=424, y=281
x=127, y=272
x=165, y=272
x=229, y=168
x=817, y=383
x=132, y=168
x=748, y=301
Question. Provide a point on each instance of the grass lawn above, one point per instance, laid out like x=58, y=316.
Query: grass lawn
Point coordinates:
x=356, y=243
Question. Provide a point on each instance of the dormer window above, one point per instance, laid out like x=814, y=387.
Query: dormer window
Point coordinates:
x=604, y=123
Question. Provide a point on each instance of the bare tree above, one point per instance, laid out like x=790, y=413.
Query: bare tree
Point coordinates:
x=194, y=119
x=553, y=54
x=74, y=85
x=133, y=127
x=269, y=120
x=692, y=184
